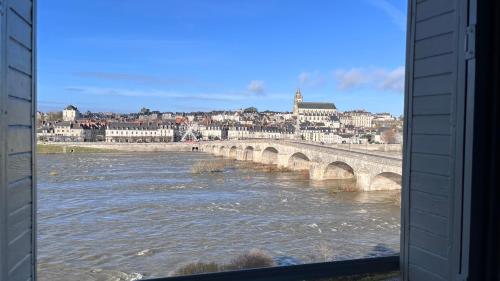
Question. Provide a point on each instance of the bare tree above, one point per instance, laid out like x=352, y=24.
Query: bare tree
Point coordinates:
x=54, y=116
x=388, y=136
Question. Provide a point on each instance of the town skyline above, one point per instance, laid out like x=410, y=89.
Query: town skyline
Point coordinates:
x=314, y=121
x=238, y=109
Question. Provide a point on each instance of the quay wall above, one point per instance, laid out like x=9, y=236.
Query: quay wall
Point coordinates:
x=128, y=147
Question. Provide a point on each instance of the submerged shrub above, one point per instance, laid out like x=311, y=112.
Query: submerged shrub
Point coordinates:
x=349, y=185
x=197, y=268
x=252, y=259
x=206, y=166
x=274, y=169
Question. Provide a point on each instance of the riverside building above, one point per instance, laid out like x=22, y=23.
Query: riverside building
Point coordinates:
x=139, y=132
x=357, y=118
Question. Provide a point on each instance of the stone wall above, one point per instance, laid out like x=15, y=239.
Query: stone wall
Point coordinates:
x=131, y=147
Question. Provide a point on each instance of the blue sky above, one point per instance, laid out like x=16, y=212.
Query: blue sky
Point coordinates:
x=188, y=55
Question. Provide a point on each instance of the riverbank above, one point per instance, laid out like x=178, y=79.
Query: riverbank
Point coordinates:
x=89, y=147
x=58, y=149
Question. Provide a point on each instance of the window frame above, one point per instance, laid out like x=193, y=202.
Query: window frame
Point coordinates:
x=479, y=216
x=333, y=269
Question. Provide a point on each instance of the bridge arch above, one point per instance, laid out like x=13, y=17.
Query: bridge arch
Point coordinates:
x=270, y=156
x=233, y=152
x=299, y=161
x=248, y=153
x=386, y=181
x=221, y=151
x=338, y=170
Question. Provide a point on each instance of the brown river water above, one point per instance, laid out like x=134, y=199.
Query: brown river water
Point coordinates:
x=132, y=216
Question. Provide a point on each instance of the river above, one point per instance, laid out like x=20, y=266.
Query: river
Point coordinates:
x=127, y=216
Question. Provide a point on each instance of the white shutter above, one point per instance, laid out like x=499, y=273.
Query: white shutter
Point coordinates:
x=434, y=134
x=17, y=121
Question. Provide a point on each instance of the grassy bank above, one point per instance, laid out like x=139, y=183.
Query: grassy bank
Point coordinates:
x=56, y=149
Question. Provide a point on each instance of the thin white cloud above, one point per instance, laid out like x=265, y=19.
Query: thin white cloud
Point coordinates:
x=313, y=79
x=153, y=93
x=141, y=78
x=393, y=80
x=130, y=77
x=131, y=42
x=256, y=86
x=379, y=78
x=227, y=96
x=397, y=16
x=351, y=78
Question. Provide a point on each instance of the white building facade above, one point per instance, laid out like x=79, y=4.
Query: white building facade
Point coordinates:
x=137, y=133
x=71, y=113
x=357, y=118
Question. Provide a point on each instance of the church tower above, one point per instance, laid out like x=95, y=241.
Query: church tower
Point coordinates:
x=298, y=99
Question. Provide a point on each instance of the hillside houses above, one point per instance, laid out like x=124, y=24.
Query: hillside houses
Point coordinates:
x=70, y=131
x=318, y=122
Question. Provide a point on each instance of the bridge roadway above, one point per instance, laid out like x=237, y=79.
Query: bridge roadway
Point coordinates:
x=372, y=171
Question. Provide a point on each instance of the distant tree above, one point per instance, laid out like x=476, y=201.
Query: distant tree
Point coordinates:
x=388, y=136
x=250, y=110
x=145, y=110
x=207, y=120
x=39, y=120
x=54, y=116
x=368, y=137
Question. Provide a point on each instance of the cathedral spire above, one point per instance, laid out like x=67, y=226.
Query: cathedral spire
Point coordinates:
x=298, y=95
x=297, y=100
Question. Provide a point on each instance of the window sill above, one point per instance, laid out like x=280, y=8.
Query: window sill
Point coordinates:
x=369, y=269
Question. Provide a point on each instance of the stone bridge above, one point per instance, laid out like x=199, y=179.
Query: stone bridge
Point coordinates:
x=372, y=171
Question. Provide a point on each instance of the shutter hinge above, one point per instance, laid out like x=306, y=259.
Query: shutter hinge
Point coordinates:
x=470, y=42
